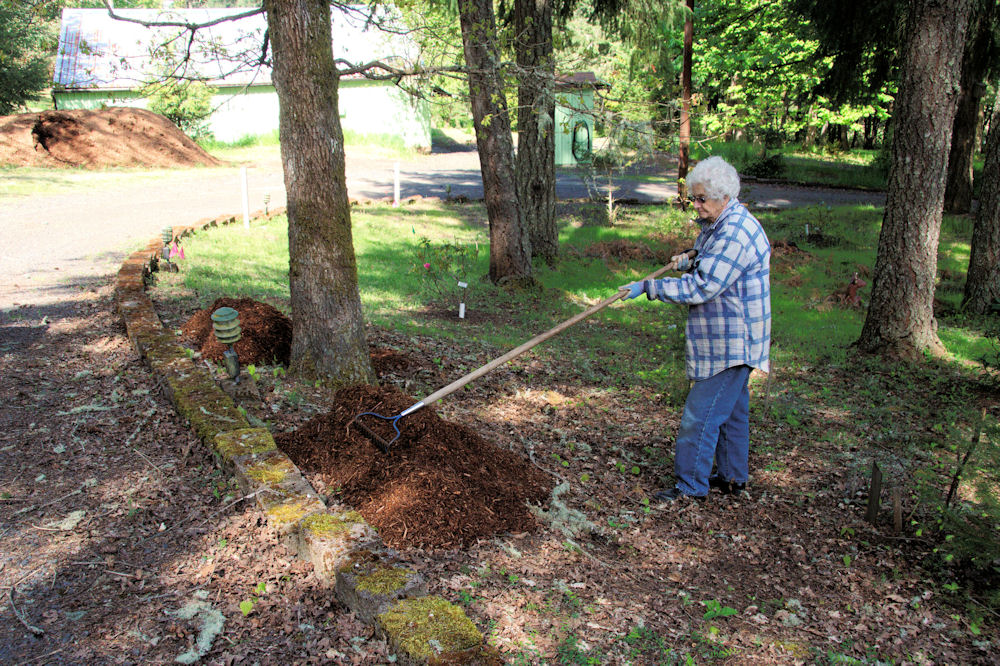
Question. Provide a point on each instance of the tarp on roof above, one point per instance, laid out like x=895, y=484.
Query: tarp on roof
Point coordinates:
x=98, y=51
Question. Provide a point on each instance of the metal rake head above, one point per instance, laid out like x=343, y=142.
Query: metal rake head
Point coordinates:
x=375, y=438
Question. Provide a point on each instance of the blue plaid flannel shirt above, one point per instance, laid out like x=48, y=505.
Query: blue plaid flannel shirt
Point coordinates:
x=728, y=293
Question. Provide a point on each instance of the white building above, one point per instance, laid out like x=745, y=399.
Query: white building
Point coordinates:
x=102, y=62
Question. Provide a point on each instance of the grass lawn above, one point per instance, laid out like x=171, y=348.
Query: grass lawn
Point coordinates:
x=794, y=573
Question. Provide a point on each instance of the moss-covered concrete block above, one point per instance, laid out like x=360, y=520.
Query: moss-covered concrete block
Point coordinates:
x=430, y=630
x=328, y=539
x=206, y=407
x=236, y=444
x=285, y=510
x=278, y=487
x=370, y=581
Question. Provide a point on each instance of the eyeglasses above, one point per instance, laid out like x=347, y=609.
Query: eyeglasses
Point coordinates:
x=700, y=199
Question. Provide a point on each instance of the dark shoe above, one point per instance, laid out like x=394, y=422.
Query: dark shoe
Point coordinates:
x=726, y=487
x=671, y=494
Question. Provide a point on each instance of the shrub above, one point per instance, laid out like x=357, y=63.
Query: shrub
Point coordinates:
x=187, y=104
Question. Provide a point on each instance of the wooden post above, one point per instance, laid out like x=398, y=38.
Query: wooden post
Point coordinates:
x=874, y=494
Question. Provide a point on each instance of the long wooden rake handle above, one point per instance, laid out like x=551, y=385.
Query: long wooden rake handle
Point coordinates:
x=538, y=339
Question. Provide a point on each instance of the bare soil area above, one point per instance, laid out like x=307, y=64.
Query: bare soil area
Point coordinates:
x=97, y=139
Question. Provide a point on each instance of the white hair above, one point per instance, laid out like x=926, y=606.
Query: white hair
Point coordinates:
x=717, y=176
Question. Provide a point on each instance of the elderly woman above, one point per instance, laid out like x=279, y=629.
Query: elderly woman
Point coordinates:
x=727, y=290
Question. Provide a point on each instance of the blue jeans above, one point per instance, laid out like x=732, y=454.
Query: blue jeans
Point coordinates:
x=715, y=425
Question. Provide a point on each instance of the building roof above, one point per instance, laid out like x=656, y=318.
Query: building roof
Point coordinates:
x=97, y=51
x=579, y=80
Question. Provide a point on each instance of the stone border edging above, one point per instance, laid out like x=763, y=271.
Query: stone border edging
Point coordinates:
x=345, y=551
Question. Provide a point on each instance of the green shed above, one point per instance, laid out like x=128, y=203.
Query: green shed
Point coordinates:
x=574, y=117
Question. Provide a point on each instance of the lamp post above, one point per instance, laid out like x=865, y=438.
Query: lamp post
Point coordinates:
x=226, y=326
x=167, y=235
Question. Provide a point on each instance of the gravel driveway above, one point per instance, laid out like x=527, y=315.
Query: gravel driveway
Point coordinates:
x=53, y=247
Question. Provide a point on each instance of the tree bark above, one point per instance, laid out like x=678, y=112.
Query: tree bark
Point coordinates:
x=510, y=246
x=535, y=169
x=900, y=320
x=982, y=283
x=975, y=64
x=329, y=337
x=684, y=137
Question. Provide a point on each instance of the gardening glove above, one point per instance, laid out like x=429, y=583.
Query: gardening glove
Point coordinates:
x=682, y=260
x=634, y=289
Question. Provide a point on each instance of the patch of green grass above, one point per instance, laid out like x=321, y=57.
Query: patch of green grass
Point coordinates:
x=638, y=343
x=813, y=166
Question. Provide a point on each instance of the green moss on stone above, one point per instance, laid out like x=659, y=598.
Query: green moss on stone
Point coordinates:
x=384, y=580
x=271, y=471
x=292, y=510
x=205, y=406
x=429, y=626
x=329, y=524
x=245, y=441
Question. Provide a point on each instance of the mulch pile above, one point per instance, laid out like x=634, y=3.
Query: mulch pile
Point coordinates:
x=440, y=486
x=97, y=139
x=386, y=361
x=266, y=332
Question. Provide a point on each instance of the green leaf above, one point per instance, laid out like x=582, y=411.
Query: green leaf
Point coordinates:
x=246, y=606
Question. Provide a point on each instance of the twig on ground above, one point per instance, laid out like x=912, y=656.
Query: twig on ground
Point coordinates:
x=42, y=506
x=33, y=629
x=148, y=461
x=23, y=578
x=40, y=657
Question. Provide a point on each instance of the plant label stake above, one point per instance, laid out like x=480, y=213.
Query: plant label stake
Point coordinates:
x=384, y=444
x=461, y=300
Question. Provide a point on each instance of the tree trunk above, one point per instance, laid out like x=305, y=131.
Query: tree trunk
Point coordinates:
x=329, y=337
x=510, y=247
x=536, y=170
x=684, y=137
x=975, y=64
x=982, y=283
x=900, y=320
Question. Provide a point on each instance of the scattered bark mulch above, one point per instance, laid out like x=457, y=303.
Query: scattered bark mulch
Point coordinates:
x=440, y=486
x=97, y=139
x=266, y=332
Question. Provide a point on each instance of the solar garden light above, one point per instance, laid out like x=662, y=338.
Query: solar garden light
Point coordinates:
x=226, y=326
x=167, y=235
x=267, y=200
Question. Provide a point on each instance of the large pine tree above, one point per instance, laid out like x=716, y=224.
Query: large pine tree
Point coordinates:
x=329, y=337
x=900, y=320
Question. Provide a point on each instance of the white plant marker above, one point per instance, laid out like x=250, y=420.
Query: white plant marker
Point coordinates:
x=461, y=302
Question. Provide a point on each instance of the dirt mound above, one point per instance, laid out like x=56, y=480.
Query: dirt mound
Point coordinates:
x=96, y=139
x=440, y=486
x=266, y=332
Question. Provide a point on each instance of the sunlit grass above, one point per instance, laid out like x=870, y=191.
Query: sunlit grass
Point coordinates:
x=639, y=341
